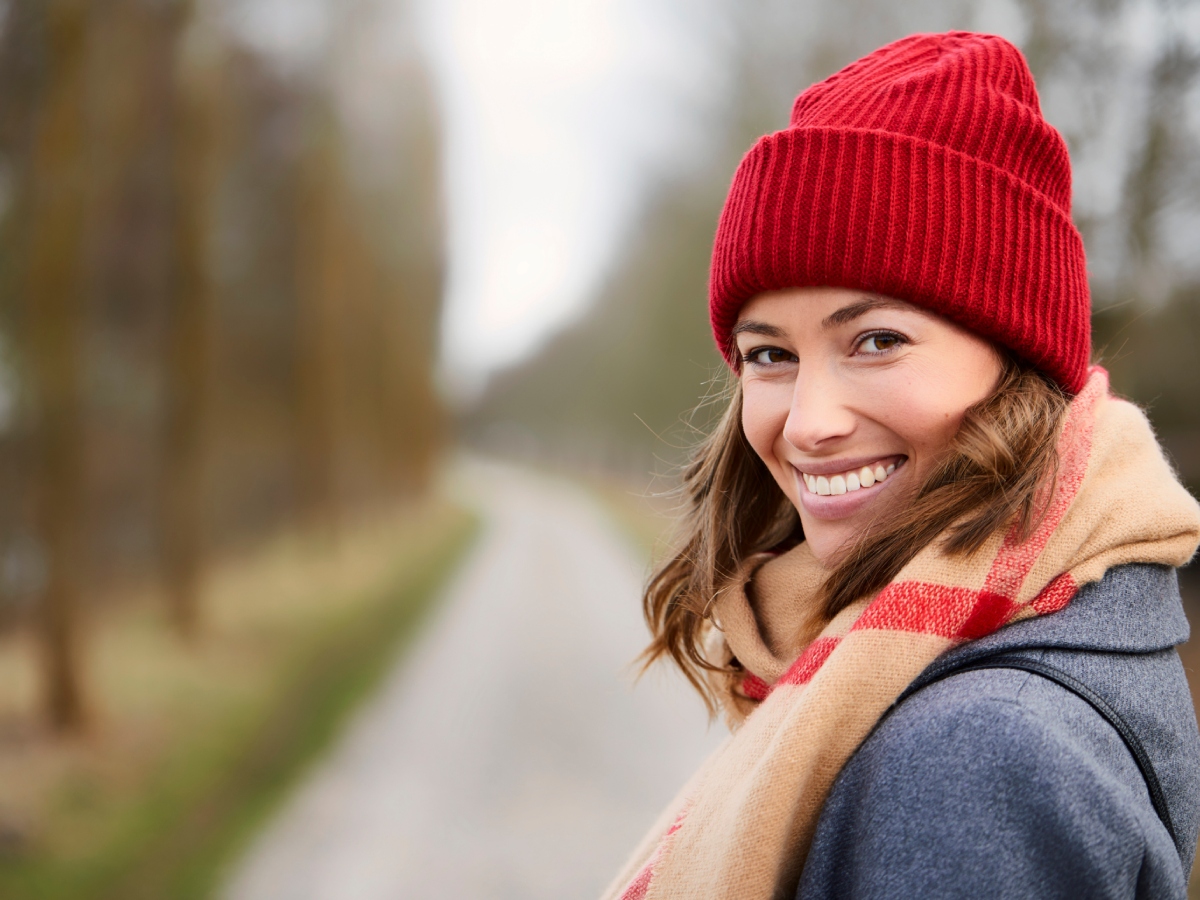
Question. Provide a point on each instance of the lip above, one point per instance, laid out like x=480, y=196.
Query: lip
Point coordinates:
x=841, y=506
x=838, y=466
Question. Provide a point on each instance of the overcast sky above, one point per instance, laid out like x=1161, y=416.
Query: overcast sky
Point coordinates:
x=555, y=115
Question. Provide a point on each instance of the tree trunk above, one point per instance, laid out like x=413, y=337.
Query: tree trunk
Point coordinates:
x=195, y=127
x=55, y=283
x=320, y=280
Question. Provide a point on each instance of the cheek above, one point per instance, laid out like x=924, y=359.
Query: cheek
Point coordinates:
x=764, y=413
x=925, y=423
x=926, y=412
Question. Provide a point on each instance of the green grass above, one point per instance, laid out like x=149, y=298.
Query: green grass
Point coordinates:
x=210, y=792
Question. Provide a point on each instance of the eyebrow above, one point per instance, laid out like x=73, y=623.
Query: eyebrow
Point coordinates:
x=752, y=327
x=854, y=310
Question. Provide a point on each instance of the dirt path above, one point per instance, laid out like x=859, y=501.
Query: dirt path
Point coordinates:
x=508, y=757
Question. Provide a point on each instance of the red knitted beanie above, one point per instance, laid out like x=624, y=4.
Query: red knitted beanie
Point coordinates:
x=925, y=172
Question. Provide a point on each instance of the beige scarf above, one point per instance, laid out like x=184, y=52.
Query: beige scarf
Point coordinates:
x=742, y=826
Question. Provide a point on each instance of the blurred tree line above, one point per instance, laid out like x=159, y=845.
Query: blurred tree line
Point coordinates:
x=218, y=302
x=1117, y=77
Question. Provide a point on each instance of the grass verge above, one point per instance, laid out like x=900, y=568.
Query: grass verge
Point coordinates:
x=645, y=514
x=198, y=745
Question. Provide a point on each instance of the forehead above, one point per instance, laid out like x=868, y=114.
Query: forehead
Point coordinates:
x=826, y=306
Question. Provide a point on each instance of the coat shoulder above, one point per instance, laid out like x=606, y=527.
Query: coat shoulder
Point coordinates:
x=999, y=783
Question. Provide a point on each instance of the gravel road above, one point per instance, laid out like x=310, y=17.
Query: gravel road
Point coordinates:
x=509, y=755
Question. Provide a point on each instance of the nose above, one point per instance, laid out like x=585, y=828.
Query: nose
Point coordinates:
x=819, y=416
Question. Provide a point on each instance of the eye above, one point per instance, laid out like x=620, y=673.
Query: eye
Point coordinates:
x=880, y=342
x=767, y=356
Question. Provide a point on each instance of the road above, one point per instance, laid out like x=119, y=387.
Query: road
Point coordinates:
x=509, y=755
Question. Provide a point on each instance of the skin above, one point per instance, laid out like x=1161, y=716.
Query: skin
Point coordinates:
x=834, y=379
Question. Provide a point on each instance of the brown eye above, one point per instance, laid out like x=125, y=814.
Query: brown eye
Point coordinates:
x=880, y=343
x=766, y=356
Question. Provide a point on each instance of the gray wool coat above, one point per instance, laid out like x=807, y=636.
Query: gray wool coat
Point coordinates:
x=1002, y=784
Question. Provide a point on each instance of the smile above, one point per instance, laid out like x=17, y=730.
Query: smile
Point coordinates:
x=853, y=479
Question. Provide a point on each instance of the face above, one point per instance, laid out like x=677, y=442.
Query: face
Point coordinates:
x=851, y=399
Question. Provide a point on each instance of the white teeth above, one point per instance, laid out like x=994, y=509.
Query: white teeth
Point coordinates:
x=827, y=485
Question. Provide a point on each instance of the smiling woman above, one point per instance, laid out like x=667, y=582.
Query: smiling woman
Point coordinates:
x=853, y=402
x=919, y=481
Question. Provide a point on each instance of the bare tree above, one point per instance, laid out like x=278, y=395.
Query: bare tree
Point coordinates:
x=196, y=78
x=320, y=280
x=1148, y=181
x=54, y=288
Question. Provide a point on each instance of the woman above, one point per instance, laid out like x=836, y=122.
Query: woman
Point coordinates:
x=927, y=567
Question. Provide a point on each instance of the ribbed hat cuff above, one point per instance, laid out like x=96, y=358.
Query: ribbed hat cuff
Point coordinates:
x=910, y=219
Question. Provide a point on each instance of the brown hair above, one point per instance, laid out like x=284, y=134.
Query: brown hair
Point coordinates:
x=1003, y=452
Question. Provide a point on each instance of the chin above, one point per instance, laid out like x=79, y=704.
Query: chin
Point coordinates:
x=829, y=549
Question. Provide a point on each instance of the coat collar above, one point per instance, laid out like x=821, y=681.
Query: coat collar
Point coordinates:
x=1134, y=608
